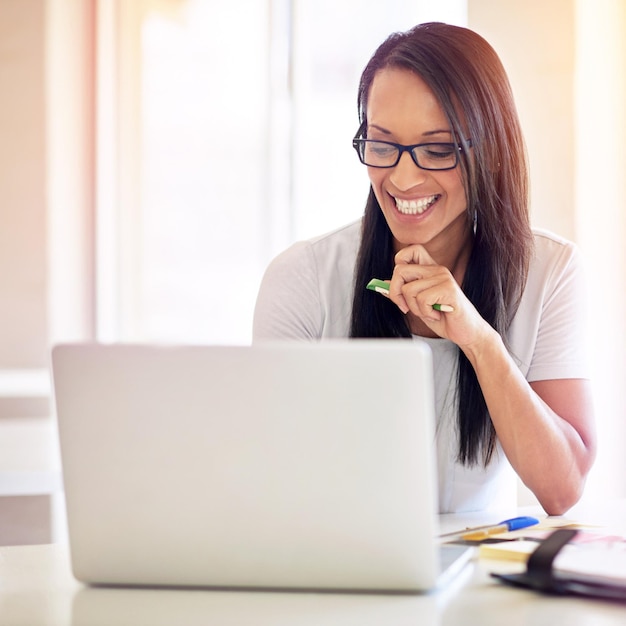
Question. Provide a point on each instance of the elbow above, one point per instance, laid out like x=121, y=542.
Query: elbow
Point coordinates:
x=561, y=495
x=561, y=500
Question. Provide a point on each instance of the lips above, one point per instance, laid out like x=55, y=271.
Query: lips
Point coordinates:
x=415, y=207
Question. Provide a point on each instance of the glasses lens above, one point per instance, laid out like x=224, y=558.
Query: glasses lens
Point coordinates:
x=379, y=153
x=436, y=156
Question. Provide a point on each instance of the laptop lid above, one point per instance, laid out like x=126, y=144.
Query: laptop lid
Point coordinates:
x=288, y=465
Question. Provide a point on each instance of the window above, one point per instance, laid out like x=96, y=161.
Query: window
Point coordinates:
x=229, y=137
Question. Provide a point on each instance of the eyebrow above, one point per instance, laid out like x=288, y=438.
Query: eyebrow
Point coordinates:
x=426, y=134
x=438, y=132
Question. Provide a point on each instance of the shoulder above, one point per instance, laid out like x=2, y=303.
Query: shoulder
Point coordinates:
x=324, y=252
x=306, y=291
x=549, y=245
x=553, y=256
x=341, y=240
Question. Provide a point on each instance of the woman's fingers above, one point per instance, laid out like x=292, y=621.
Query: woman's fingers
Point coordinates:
x=417, y=288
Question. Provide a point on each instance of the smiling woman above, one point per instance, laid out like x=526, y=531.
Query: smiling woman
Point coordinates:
x=466, y=273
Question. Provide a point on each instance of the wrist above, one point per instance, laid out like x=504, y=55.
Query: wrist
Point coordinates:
x=487, y=347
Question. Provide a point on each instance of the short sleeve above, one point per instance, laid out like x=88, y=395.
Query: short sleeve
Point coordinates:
x=288, y=302
x=550, y=330
x=307, y=291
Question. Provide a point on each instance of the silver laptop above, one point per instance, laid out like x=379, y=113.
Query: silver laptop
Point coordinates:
x=287, y=465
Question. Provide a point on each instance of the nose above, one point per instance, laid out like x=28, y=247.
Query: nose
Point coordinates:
x=406, y=174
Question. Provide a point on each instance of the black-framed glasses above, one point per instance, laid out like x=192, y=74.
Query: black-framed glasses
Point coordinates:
x=427, y=156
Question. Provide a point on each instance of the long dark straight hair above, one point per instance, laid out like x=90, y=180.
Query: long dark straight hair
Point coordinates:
x=468, y=79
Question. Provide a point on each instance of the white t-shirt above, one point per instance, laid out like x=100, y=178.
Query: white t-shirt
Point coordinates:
x=306, y=294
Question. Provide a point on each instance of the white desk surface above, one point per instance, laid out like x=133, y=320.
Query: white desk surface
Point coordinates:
x=37, y=589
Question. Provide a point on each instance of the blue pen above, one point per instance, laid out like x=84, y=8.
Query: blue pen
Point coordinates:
x=476, y=534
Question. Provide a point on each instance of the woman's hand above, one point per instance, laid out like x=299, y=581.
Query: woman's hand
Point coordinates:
x=418, y=283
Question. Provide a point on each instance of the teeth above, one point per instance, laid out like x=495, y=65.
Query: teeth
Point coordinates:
x=413, y=207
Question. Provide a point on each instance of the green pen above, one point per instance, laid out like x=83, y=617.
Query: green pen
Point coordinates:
x=382, y=287
x=379, y=286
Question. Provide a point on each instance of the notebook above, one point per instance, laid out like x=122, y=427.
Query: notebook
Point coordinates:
x=588, y=567
x=279, y=465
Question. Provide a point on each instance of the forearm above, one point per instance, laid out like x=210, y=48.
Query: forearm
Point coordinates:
x=547, y=451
